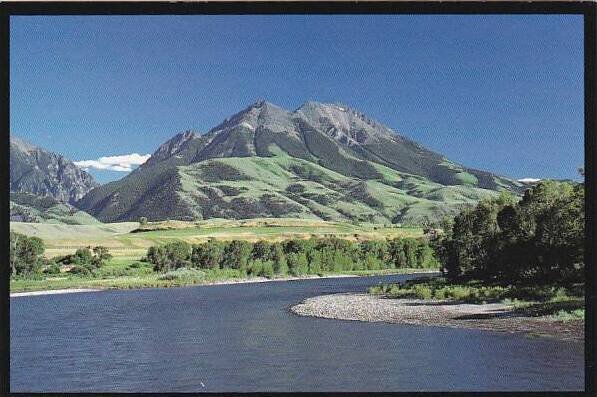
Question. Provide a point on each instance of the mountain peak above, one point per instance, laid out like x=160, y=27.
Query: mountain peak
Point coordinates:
x=257, y=114
x=327, y=105
x=344, y=123
x=262, y=104
x=37, y=171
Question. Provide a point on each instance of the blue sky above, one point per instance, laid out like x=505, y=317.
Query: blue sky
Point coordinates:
x=500, y=93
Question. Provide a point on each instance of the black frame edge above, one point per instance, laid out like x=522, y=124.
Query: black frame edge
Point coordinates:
x=590, y=41
x=4, y=206
x=298, y=7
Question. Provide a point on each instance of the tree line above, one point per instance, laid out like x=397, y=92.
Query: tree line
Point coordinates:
x=295, y=256
x=27, y=258
x=538, y=239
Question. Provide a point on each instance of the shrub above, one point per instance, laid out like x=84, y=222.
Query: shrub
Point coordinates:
x=182, y=274
x=262, y=250
x=52, y=269
x=82, y=256
x=87, y=257
x=101, y=254
x=278, y=257
x=422, y=291
x=80, y=270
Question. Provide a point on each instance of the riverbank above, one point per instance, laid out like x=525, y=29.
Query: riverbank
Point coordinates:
x=53, y=292
x=489, y=316
x=79, y=284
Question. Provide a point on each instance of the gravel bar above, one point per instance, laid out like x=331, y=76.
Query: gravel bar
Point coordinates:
x=489, y=316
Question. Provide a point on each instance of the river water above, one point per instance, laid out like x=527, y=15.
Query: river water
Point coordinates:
x=225, y=338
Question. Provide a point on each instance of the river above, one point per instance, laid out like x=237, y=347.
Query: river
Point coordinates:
x=241, y=337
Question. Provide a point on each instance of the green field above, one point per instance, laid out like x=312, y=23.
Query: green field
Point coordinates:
x=122, y=241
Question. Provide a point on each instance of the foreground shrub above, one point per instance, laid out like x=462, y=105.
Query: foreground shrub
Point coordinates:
x=475, y=292
x=182, y=274
x=80, y=270
x=53, y=268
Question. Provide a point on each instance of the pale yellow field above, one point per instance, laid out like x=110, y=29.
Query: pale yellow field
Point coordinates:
x=121, y=241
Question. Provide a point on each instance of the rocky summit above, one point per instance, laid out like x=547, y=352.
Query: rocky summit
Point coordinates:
x=321, y=160
x=45, y=174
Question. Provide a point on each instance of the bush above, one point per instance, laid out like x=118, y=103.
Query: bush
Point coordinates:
x=441, y=290
x=52, y=269
x=423, y=292
x=255, y=267
x=182, y=274
x=101, y=255
x=82, y=256
x=80, y=270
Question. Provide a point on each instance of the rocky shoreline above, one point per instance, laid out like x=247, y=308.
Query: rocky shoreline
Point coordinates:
x=490, y=316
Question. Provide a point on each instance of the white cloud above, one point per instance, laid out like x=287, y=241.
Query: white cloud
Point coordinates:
x=529, y=180
x=123, y=163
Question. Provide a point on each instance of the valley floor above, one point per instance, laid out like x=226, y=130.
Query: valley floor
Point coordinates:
x=489, y=316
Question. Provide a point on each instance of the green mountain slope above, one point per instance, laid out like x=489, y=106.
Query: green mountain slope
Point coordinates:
x=26, y=207
x=322, y=160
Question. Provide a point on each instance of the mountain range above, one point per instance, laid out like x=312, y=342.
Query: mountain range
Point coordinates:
x=321, y=160
x=40, y=172
x=45, y=185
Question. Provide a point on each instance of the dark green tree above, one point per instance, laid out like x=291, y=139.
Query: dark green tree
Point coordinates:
x=209, y=255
